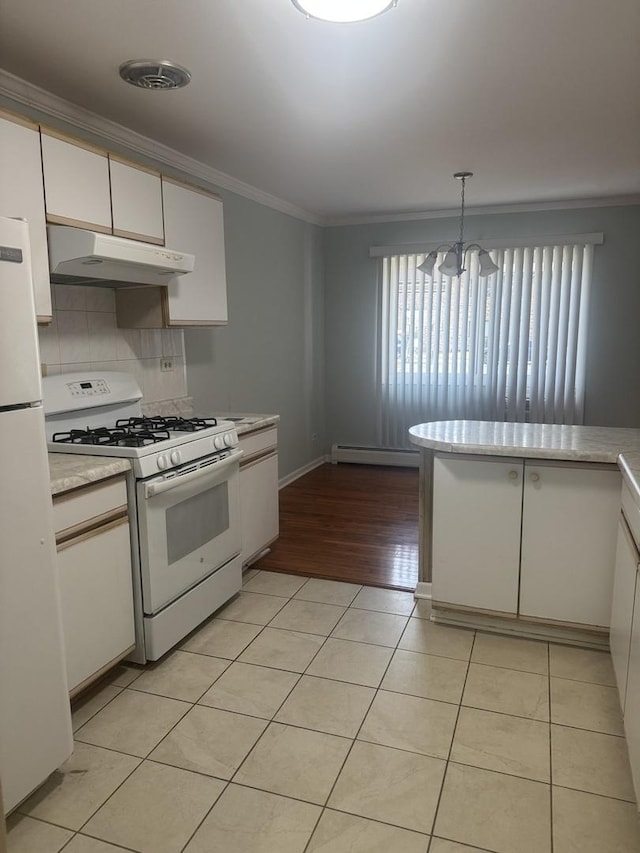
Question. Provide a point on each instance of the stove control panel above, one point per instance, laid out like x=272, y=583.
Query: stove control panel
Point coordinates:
x=88, y=388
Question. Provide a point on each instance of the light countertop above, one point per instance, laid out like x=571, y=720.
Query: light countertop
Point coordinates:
x=244, y=422
x=629, y=463
x=530, y=441
x=70, y=471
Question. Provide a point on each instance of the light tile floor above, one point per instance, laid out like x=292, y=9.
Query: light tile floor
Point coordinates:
x=313, y=716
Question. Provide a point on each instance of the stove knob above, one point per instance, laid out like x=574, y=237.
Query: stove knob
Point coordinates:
x=228, y=439
x=162, y=462
x=218, y=442
x=176, y=457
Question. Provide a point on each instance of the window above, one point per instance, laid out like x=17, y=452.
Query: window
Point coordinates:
x=510, y=347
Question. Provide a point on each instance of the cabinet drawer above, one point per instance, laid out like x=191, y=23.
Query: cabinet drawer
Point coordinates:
x=631, y=513
x=79, y=508
x=257, y=442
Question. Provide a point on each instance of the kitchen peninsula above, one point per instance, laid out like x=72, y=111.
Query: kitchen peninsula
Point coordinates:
x=518, y=524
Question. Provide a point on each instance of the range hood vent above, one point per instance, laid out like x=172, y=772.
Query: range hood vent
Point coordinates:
x=77, y=256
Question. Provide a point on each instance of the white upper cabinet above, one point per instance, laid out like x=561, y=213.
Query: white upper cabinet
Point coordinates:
x=76, y=183
x=136, y=202
x=21, y=195
x=193, y=223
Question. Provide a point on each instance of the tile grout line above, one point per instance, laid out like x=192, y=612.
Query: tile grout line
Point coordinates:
x=269, y=722
x=272, y=720
x=300, y=675
x=355, y=738
x=146, y=757
x=453, y=735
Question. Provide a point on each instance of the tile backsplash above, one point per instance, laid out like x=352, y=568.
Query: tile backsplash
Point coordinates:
x=84, y=336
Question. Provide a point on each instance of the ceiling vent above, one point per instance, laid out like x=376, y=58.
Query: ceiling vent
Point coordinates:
x=154, y=74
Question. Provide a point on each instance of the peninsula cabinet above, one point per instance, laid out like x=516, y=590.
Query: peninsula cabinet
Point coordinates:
x=76, y=183
x=476, y=531
x=526, y=538
x=622, y=606
x=21, y=194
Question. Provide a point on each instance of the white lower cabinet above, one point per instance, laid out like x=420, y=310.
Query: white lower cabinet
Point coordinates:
x=632, y=699
x=259, y=492
x=624, y=588
x=569, y=524
x=94, y=567
x=476, y=531
x=525, y=538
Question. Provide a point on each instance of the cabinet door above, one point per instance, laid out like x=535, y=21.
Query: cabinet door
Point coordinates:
x=624, y=586
x=97, y=600
x=193, y=223
x=76, y=184
x=569, y=527
x=632, y=704
x=136, y=202
x=22, y=195
x=259, y=505
x=476, y=531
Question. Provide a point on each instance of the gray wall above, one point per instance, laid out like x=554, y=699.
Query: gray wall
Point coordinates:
x=270, y=357
x=351, y=293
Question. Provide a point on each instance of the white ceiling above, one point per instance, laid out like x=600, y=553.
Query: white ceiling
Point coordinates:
x=539, y=98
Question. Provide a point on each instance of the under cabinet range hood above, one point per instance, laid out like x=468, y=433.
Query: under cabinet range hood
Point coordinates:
x=77, y=256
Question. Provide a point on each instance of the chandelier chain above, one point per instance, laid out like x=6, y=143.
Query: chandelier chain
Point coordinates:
x=462, y=213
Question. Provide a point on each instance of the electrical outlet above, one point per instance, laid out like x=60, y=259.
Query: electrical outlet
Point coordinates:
x=166, y=365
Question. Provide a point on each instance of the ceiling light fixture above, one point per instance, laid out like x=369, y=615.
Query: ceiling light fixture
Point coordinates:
x=457, y=253
x=343, y=11
x=154, y=74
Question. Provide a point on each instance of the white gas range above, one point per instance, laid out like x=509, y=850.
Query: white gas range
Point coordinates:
x=184, y=500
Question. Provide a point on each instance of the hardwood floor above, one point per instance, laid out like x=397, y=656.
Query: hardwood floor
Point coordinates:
x=355, y=523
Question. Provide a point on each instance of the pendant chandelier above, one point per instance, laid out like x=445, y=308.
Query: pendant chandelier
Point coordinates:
x=458, y=252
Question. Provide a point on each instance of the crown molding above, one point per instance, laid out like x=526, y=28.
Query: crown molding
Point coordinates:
x=454, y=212
x=21, y=92
x=31, y=96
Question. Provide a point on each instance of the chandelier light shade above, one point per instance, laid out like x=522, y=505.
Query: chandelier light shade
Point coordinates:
x=458, y=252
x=343, y=11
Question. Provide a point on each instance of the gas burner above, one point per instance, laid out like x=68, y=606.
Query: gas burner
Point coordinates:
x=171, y=423
x=139, y=438
x=118, y=436
x=98, y=436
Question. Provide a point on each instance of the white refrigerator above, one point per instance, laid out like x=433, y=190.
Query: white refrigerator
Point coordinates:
x=35, y=720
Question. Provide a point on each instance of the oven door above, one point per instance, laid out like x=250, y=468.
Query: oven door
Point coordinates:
x=188, y=526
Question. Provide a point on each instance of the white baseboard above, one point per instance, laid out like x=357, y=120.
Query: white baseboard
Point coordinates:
x=423, y=590
x=300, y=472
x=375, y=455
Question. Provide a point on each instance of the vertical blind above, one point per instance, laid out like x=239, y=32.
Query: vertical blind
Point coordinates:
x=510, y=347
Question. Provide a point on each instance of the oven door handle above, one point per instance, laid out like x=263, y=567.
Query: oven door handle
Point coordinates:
x=217, y=468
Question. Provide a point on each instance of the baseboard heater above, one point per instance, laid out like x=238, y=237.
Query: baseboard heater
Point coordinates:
x=375, y=455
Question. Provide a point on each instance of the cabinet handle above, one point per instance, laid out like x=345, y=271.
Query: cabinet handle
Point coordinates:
x=535, y=477
x=513, y=475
